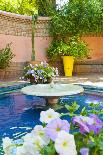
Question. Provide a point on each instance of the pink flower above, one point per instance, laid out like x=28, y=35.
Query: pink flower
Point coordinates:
x=84, y=151
x=55, y=126
x=88, y=124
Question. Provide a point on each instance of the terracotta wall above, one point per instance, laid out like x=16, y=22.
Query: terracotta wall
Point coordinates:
x=21, y=47
x=96, y=46
x=18, y=29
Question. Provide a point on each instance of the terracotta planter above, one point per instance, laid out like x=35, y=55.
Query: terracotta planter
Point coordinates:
x=32, y=81
x=34, y=62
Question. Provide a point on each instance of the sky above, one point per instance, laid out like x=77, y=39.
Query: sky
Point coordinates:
x=61, y=2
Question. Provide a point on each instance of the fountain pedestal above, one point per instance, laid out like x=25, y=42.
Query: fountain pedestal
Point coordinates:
x=52, y=100
x=52, y=92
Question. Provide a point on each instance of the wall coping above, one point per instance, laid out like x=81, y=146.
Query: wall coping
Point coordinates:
x=25, y=17
x=89, y=62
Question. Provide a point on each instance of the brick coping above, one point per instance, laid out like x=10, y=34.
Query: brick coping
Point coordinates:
x=25, y=17
x=89, y=62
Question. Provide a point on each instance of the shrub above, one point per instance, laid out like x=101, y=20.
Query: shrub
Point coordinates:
x=78, y=17
x=5, y=56
x=74, y=47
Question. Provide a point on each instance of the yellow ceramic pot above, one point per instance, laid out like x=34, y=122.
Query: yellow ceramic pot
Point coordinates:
x=68, y=62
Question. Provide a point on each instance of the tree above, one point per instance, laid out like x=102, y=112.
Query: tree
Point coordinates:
x=27, y=7
x=46, y=7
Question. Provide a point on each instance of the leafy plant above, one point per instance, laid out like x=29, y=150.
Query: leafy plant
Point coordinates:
x=5, y=56
x=78, y=17
x=27, y=7
x=40, y=73
x=45, y=7
x=74, y=47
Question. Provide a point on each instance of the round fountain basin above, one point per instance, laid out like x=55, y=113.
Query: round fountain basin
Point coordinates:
x=49, y=90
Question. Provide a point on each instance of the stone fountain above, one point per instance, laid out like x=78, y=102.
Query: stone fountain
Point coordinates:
x=52, y=92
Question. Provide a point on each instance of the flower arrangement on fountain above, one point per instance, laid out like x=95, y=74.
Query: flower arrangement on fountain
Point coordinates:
x=40, y=73
x=82, y=135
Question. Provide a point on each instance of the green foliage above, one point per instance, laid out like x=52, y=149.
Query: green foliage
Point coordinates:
x=73, y=47
x=78, y=17
x=45, y=7
x=92, y=141
x=72, y=108
x=56, y=49
x=5, y=56
x=93, y=109
x=49, y=150
x=27, y=7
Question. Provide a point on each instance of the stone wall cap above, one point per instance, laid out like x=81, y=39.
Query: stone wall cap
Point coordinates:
x=14, y=15
x=89, y=62
x=25, y=17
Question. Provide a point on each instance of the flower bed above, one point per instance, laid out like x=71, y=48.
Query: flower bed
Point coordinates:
x=82, y=135
x=40, y=73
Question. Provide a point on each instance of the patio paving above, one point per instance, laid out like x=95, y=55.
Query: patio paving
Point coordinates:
x=92, y=79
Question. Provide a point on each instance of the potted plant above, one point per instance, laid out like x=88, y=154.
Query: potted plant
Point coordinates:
x=40, y=73
x=5, y=59
x=69, y=50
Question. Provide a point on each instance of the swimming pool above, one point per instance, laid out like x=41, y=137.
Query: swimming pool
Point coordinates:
x=19, y=113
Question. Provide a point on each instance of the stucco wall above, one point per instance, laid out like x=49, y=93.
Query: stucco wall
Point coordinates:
x=18, y=29
x=96, y=46
x=21, y=47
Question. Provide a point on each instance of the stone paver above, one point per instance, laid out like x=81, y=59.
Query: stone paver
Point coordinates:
x=93, y=79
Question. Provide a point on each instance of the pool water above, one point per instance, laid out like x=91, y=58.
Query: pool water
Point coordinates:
x=19, y=113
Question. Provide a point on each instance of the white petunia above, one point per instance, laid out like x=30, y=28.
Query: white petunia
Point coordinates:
x=49, y=115
x=31, y=148
x=21, y=151
x=27, y=137
x=39, y=142
x=7, y=145
x=33, y=142
x=40, y=131
x=65, y=144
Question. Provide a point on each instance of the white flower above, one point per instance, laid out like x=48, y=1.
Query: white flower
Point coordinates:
x=21, y=151
x=42, y=63
x=36, y=65
x=65, y=144
x=30, y=65
x=40, y=131
x=27, y=137
x=35, y=140
x=31, y=148
x=7, y=145
x=47, y=116
x=39, y=142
